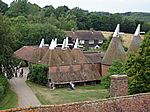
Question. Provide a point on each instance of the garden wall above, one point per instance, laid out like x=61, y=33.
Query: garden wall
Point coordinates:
x=132, y=103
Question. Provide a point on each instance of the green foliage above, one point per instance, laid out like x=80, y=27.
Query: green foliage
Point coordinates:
x=31, y=34
x=4, y=86
x=22, y=8
x=77, y=18
x=39, y=74
x=6, y=52
x=117, y=68
x=1, y=91
x=9, y=101
x=138, y=68
x=106, y=44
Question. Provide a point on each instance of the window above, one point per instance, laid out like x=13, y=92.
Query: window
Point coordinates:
x=100, y=41
x=81, y=41
x=91, y=41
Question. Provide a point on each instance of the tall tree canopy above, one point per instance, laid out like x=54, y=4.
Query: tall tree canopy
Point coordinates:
x=138, y=68
x=22, y=8
x=6, y=44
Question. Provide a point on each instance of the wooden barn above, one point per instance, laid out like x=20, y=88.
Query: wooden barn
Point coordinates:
x=65, y=65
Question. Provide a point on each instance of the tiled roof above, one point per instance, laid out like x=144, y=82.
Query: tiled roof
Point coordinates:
x=85, y=35
x=65, y=65
x=86, y=72
x=59, y=57
x=31, y=53
x=26, y=52
x=115, y=51
x=134, y=45
x=94, y=58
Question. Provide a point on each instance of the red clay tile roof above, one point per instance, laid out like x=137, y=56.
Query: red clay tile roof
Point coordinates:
x=31, y=53
x=115, y=51
x=94, y=57
x=85, y=35
x=64, y=65
x=25, y=52
x=59, y=57
x=135, y=44
x=74, y=73
x=38, y=54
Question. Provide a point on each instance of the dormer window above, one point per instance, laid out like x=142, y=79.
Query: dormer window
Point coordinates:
x=100, y=41
x=91, y=41
x=81, y=41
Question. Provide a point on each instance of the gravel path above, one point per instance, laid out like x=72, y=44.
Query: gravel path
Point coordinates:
x=26, y=97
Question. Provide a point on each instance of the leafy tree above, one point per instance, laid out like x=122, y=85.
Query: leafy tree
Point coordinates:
x=6, y=52
x=31, y=34
x=116, y=68
x=48, y=11
x=4, y=85
x=81, y=15
x=22, y=8
x=61, y=11
x=146, y=27
x=39, y=74
x=67, y=24
x=128, y=26
x=106, y=44
x=94, y=21
x=138, y=68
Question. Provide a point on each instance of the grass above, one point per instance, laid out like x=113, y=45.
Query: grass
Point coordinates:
x=65, y=95
x=9, y=101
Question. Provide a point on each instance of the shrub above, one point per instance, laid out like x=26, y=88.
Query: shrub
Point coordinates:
x=117, y=67
x=39, y=74
x=4, y=85
x=2, y=91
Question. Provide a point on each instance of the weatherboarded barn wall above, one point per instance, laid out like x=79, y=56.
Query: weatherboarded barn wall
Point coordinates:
x=134, y=103
x=105, y=69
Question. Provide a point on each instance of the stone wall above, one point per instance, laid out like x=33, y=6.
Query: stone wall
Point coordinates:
x=133, y=103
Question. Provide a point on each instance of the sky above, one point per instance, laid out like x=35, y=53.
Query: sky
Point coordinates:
x=112, y=6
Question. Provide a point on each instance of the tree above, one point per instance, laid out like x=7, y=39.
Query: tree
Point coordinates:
x=6, y=52
x=48, y=11
x=128, y=26
x=67, y=24
x=31, y=34
x=146, y=27
x=39, y=74
x=22, y=8
x=138, y=68
x=61, y=11
x=82, y=19
x=106, y=44
x=117, y=68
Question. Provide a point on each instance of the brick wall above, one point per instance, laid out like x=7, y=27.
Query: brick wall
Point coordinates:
x=119, y=85
x=133, y=103
x=105, y=69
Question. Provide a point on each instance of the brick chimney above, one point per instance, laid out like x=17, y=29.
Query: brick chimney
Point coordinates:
x=119, y=85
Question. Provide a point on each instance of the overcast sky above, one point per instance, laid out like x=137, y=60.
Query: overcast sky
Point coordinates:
x=112, y=6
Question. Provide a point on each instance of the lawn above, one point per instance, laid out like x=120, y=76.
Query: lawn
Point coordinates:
x=10, y=100
x=65, y=95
